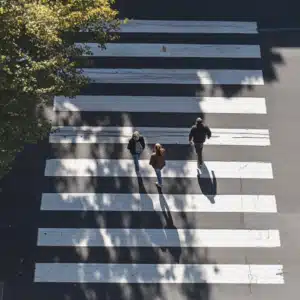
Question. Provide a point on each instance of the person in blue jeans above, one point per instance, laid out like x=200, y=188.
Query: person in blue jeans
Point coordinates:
x=157, y=161
x=136, y=146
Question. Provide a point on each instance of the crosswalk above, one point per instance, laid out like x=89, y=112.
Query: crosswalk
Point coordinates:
x=121, y=229
x=219, y=105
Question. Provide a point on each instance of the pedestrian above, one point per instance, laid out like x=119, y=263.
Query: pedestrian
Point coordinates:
x=197, y=136
x=136, y=145
x=157, y=161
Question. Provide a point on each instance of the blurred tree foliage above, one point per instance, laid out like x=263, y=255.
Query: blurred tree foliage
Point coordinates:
x=36, y=65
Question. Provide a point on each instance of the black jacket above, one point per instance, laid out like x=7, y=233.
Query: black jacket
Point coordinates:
x=199, y=133
x=131, y=144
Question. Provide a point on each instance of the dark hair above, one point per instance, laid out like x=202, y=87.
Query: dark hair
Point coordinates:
x=199, y=120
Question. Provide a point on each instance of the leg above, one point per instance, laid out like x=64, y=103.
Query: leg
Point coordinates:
x=199, y=151
x=158, y=174
x=136, y=162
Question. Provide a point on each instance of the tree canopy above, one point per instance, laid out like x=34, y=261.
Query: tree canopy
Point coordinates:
x=36, y=65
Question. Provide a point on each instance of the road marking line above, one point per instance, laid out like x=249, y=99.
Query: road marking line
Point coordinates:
x=173, y=169
x=152, y=202
x=173, y=50
x=158, y=273
x=175, y=76
x=158, y=26
x=234, y=105
x=121, y=135
x=135, y=237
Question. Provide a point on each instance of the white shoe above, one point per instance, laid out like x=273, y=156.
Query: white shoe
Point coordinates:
x=157, y=184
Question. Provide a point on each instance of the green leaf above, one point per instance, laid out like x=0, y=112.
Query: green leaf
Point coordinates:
x=35, y=62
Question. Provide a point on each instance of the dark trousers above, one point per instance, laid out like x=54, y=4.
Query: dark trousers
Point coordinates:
x=199, y=151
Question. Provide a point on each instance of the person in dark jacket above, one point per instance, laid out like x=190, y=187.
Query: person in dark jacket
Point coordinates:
x=158, y=162
x=198, y=134
x=136, y=146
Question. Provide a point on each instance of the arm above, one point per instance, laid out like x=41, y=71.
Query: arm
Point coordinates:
x=151, y=162
x=208, y=132
x=130, y=145
x=143, y=142
x=191, y=134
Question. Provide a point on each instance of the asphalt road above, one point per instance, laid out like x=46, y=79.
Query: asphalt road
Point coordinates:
x=284, y=124
x=21, y=190
x=268, y=13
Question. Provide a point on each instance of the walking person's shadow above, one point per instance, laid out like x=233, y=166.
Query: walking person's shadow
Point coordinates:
x=173, y=236
x=207, y=184
x=144, y=205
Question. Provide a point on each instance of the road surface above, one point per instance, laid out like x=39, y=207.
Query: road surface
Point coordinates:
x=237, y=225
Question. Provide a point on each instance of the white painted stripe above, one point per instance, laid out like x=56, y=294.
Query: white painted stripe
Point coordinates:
x=152, y=202
x=105, y=135
x=175, y=76
x=175, y=50
x=235, y=105
x=173, y=168
x=159, y=273
x=158, y=26
x=135, y=237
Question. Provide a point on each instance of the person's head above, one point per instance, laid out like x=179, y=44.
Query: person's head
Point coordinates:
x=159, y=150
x=136, y=135
x=199, y=122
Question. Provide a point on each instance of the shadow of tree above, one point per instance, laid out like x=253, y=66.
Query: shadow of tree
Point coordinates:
x=129, y=221
x=106, y=219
